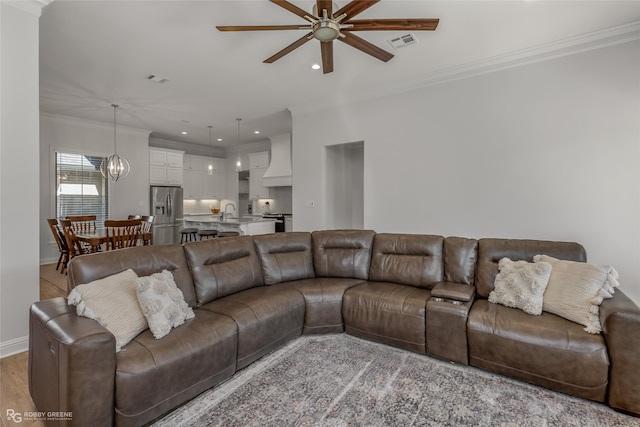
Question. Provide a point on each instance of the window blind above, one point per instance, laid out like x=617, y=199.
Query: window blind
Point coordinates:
x=80, y=187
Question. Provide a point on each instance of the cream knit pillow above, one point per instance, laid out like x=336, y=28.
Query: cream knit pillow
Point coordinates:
x=576, y=290
x=521, y=284
x=113, y=303
x=162, y=303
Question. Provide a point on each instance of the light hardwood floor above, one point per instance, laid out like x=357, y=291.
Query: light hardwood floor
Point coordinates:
x=14, y=385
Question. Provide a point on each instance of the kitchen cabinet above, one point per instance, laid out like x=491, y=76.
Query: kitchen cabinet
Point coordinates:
x=259, y=160
x=165, y=167
x=198, y=184
x=258, y=163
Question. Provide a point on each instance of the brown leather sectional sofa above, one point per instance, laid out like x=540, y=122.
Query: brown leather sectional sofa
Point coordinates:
x=251, y=295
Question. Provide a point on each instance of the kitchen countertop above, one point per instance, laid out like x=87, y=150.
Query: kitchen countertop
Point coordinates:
x=215, y=219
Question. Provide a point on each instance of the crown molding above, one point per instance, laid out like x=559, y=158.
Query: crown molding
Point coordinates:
x=557, y=49
x=92, y=123
x=32, y=7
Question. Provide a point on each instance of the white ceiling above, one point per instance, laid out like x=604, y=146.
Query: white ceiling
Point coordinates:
x=95, y=53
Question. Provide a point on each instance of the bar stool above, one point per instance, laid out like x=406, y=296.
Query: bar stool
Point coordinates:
x=227, y=233
x=188, y=235
x=207, y=233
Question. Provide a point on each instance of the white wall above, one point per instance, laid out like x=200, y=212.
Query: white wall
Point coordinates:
x=70, y=134
x=19, y=105
x=548, y=150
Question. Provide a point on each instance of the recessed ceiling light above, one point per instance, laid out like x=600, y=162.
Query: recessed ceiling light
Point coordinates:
x=315, y=66
x=184, y=132
x=256, y=132
x=219, y=139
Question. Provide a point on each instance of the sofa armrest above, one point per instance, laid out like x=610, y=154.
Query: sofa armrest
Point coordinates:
x=453, y=291
x=72, y=364
x=620, y=319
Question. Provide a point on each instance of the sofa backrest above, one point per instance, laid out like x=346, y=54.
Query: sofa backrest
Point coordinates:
x=285, y=256
x=342, y=253
x=144, y=260
x=460, y=257
x=223, y=267
x=409, y=259
x=491, y=251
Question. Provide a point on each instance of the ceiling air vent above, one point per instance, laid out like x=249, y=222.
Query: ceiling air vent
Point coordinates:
x=403, y=41
x=157, y=79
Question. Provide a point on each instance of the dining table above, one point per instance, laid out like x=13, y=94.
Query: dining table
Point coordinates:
x=97, y=237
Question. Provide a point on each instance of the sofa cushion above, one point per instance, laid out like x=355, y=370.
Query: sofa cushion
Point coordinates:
x=491, y=251
x=323, y=302
x=460, y=256
x=223, y=267
x=154, y=376
x=285, y=256
x=576, y=290
x=342, y=253
x=387, y=312
x=410, y=259
x=546, y=350
x=144, y=260
x=266, y=318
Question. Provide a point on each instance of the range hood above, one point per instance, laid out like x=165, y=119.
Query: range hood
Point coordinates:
x=278, y=173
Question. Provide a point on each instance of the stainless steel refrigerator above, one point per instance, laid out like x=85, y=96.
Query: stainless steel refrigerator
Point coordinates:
x=166, y=207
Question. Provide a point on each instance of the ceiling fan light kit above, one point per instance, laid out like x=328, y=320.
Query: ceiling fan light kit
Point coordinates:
x=339, y=26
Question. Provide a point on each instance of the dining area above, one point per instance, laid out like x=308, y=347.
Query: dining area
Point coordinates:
x=78, y=235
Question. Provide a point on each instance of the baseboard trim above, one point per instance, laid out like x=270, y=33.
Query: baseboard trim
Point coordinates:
x=14, y=346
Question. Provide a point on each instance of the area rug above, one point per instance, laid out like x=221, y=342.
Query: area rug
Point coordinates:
x=339, y=380
x=49, y=273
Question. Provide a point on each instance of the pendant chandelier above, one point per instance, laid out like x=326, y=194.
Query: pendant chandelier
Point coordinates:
x=210, y=167
x=239, y=161
x=115, y=167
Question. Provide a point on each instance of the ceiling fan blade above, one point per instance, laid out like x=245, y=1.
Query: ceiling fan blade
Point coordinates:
x=292, y=8
x=363, y=45
x=324, y=4
x=296, y=44
x=260, y=27
x=355, y=7
x=426, y=24
x=326, y=49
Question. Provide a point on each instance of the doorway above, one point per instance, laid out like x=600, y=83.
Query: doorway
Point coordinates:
x=345, y=186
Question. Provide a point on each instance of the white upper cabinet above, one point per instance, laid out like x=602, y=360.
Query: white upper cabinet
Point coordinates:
x=198, y=183
x=165, y=167
x=259, y=160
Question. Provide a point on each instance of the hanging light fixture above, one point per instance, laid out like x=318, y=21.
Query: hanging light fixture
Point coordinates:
x=115, y=167
x=210, y=167
x=239, y=161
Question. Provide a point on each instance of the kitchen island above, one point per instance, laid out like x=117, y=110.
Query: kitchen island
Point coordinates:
x=245, y=226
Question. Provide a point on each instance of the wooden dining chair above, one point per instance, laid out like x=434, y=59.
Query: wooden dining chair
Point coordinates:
x=61, y=241
x=73, y=244
x=122, y=233
x=83, y=223
x=147, y=229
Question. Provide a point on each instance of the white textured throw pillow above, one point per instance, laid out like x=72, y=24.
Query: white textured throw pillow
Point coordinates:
x=162, y=303
x=113, y=303
x=521, y=284
x=576, y=290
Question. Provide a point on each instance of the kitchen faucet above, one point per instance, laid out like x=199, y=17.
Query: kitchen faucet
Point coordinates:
x=223, y=215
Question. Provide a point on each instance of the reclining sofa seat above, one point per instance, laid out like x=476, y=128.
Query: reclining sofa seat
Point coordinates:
x=76, y=358
x=287, y=260
x=228, y=281
x=546, y=350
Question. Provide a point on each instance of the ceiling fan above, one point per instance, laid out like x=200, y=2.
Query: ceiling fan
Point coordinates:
x=330, y=26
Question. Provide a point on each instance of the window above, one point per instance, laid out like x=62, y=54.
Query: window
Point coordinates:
x=80, y=187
